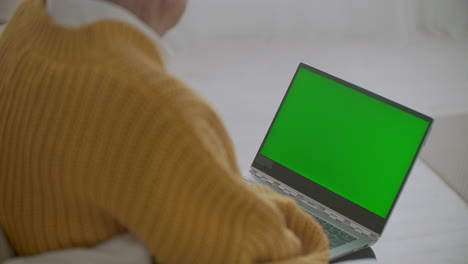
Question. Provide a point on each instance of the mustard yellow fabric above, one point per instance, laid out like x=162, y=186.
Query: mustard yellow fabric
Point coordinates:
x=97, y=138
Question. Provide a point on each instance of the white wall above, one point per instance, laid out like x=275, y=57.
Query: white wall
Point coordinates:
x=299, y=20
x=304, y=20
x=448, y=17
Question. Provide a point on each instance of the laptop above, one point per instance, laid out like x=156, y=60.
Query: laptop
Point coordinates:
x=343, y=153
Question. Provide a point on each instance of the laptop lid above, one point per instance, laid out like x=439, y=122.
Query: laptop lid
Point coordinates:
x=346, y=147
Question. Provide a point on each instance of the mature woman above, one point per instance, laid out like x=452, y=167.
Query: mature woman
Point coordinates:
x=97, y=138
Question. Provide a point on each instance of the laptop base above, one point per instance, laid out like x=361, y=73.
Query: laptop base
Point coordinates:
x=362, y=240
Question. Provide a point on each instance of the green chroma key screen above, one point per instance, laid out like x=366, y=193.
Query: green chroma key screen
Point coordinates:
x=348, y=142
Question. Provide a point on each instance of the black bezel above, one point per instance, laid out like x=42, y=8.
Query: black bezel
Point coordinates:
x=315, y=191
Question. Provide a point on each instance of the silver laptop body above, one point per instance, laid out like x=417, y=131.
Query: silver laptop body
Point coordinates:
x=349, y=226
x=364, y=236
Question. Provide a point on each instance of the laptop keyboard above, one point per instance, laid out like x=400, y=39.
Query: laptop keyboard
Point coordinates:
x=336, y=236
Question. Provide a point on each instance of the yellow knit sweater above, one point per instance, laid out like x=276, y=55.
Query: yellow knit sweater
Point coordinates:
x=96, y=138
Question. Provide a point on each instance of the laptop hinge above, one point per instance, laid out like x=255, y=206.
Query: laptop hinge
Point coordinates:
x=314, y=204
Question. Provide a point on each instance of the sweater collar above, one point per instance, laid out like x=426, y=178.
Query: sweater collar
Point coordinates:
x=78, y=13
x=32, y=29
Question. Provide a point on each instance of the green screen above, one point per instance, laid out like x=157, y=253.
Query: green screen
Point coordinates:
x=346, y=141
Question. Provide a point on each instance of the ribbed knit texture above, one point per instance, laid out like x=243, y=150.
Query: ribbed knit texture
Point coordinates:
x=96, y=138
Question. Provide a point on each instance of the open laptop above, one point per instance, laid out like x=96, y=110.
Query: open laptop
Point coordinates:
x=343, y=152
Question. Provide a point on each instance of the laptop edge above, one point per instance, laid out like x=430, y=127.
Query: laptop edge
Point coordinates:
x=357, y=222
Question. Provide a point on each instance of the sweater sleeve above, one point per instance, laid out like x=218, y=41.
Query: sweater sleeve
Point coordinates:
x=183, y=195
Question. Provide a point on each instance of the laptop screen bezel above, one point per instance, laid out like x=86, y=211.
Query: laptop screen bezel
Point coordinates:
x=321, y=194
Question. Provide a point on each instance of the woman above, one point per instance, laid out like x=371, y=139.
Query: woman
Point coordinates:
x=97, y=138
